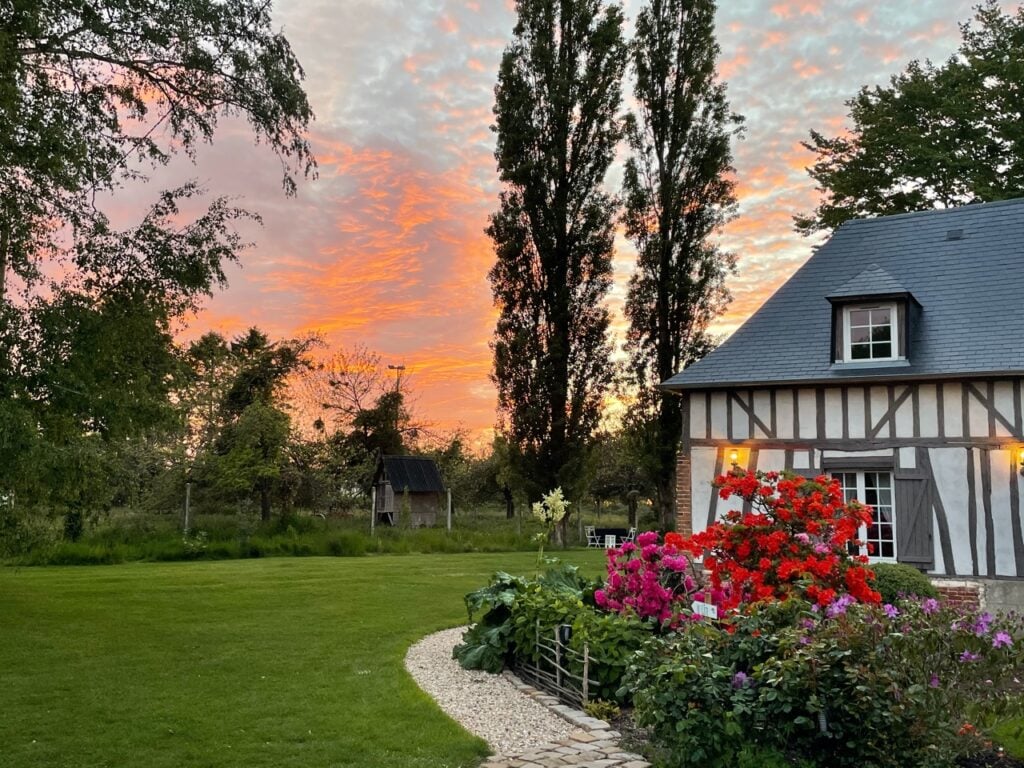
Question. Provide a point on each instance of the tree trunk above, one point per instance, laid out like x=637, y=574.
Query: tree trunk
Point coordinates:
x=5, y=244
x=510, y=503
x=264, y=502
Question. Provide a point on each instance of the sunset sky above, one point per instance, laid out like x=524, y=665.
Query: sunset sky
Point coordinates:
x=387, y=247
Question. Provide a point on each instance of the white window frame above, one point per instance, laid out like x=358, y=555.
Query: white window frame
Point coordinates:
x=894, y=336
x=860, y=495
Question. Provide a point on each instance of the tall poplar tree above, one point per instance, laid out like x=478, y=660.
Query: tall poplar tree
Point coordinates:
x=678, y=193
x=557, y=98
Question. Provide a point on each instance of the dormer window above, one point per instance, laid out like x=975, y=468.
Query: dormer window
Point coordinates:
x=870, y=332
x=871, y=318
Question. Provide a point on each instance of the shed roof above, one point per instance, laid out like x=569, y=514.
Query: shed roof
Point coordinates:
x=964, y=266
x=417, y=474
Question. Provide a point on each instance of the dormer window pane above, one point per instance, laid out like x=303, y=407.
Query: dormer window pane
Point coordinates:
x=870, y=332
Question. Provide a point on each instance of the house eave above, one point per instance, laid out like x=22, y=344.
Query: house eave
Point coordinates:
x=877, y=378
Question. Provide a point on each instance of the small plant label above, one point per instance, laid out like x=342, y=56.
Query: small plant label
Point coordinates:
x=705, y=609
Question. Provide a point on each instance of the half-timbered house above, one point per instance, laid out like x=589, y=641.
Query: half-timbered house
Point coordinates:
x=894, y=361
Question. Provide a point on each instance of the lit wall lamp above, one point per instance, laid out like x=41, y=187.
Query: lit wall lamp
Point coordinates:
x=734, y=456
x=1020, y=460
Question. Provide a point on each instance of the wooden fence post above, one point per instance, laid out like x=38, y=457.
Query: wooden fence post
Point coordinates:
x=586, y=673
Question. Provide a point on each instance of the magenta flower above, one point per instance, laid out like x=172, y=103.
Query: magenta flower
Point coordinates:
x=891, y=610
x=646, y=538
x=934, y=682
x=930, y=606
x=968, y=656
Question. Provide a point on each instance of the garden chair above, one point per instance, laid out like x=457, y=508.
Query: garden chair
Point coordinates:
x=592, y=539
x=631, y=536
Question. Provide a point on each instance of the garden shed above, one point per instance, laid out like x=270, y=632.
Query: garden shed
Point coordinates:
x=414, y=477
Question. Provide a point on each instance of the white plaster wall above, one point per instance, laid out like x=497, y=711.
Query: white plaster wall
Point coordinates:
x=950, y=468
x=1004, y=405
x=833, y=414
x=928, y=399
x=1001, y=475
x=763, y=411
x=980, y=506
x=702, y=474
x=740, y=419
x=905, y=417
x=784, y=413
x=940, y=563
x=855, y=399
x=879, y=406
x=952, y=409
x=801, y=460
x=908, y=458
x=808, y=412
x=719, y=420
x=698, y=415
x=771, y=461
x=883, y=452
x=978, y=413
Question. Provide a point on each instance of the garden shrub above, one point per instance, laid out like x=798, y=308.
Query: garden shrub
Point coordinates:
x=794, y=541
x=486, y=644
x=516, y=612
x=853, y=685
x=896, y=580
x=652, y=581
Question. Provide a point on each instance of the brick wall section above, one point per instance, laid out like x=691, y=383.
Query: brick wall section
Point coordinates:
x=968, y=597
x=684, y=497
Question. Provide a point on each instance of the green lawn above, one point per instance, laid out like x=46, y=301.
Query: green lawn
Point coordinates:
x=279, y=662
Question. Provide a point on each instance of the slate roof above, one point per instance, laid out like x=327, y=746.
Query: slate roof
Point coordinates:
x=873, y=281
x=969, y=284
x=417, y=474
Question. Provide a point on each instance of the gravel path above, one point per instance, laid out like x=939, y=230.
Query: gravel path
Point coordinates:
x=485, y=704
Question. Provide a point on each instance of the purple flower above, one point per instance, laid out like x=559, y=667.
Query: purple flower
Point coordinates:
x=804, y=640
x=807, y=623
x=740, y=680
x=802, y=537
x=839, y=607
x=934, y=682
x=1002, y=639
x=981, y=626
x=930, y=606
x=967, y=656
x=891, y=610
x=821, y=549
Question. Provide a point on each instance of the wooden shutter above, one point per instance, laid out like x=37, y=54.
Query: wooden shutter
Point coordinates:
x=914, y=544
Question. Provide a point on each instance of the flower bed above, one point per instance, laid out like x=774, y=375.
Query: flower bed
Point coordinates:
x=802, y=664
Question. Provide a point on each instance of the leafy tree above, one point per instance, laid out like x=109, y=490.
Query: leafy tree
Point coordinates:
x=678, y=192
x=622, y=468
x=91, y=92
x=89, y=87
x=249, y=453
x=937, y=136
x=362, y=409
x=558, y=92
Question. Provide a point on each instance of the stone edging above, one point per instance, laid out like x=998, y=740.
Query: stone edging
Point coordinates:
x=594, y=745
